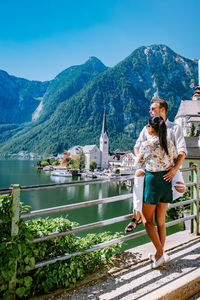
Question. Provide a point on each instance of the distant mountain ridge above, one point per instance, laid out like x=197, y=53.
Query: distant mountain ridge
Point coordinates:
x=74, y=101
x=19, y=98
x=69, y=82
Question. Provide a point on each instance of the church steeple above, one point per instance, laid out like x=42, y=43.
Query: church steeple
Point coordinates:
x=104, y=144
x=196, y=95
x=104, y=126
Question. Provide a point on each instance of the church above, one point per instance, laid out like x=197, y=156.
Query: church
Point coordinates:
x=92, y=152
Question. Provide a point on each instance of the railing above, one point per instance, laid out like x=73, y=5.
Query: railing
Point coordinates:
x=16, y=191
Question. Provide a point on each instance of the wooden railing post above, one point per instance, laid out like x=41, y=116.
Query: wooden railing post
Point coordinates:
x=192, y=195
x=15, y=196
x=197, y=198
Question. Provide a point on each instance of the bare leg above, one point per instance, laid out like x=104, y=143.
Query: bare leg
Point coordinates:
x=160, y=221
x=148, y=212
x=180, y=187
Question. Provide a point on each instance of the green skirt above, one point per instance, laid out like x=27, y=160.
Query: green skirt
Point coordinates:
x=156, y=189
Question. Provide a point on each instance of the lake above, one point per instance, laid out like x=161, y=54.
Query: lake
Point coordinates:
x=25, y=172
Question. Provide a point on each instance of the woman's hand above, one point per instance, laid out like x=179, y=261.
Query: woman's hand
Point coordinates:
x=169, y=176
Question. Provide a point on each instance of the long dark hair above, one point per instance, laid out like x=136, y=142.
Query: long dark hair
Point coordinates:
x=158, y=124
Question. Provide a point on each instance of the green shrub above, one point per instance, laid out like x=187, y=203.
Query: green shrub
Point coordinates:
x=51, y=161
x=44, y=163
x=57, y=275
x=93, y=165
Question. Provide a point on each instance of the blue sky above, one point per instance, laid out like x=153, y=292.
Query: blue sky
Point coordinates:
x=40, y=38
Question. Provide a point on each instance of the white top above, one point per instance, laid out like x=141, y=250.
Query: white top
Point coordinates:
x=174, y=134
x=153, y=158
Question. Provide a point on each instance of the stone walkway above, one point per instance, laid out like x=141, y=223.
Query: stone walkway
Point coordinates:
x=178, y=279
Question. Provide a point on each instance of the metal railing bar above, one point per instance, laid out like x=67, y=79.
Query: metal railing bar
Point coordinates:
x=182, y=203
x=190, y=184
x=5, y=191
x=73, y=183
x=171, y=223
x=83, y=182
x=70, y=184
x=187, y=169
x=91, y=249
x=105, y=244
x=90, y=226
x=66, y=184
x=75, y=206
x=82, y=228
x=90, y=203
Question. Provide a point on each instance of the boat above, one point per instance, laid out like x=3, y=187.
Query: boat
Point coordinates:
x=61, y=173
x=91, y=175
x=47, y=168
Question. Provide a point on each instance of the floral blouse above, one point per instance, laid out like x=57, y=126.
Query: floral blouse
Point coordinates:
x=153, y=158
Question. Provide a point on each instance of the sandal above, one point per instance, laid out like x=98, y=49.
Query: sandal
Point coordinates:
x=132, y=227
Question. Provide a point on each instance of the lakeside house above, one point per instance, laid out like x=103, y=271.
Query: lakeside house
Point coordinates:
x=128, y=160
x=188, y=115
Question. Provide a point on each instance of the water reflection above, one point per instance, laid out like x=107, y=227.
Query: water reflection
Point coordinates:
x=58, y=179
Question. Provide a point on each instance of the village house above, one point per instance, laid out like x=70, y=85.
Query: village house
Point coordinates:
x=65, y=159
x=128, y=160
x=188, y=115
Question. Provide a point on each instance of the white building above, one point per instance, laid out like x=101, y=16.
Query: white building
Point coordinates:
x=128, y=160
x=91, y=152
x=188, y=114
x=104, y=155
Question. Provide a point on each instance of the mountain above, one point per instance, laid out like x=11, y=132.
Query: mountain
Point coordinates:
x=68, y=83
x=19, y=98
x=125, y=90
x=57, y=90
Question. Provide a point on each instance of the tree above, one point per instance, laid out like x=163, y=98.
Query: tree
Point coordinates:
x=81, y=160
x=93, y=165
x=117, y=171
x=74, y=163
x=192, y=130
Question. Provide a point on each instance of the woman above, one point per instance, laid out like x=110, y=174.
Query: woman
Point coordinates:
x=156, y=155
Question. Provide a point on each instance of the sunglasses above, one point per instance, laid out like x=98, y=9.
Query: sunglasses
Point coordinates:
x=152, y=108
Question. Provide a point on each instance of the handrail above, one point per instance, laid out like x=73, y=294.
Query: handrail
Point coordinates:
x=69, y=184
x=105, y=244
x=16, y=190
x=75, y=206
